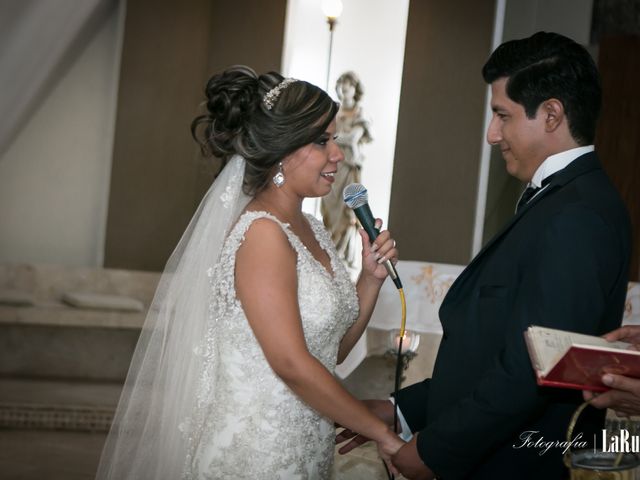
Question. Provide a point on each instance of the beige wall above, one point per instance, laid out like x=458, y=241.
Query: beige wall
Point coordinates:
x=170, y=49
x=440, y=125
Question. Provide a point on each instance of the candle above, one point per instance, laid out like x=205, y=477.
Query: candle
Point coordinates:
x=406, y=342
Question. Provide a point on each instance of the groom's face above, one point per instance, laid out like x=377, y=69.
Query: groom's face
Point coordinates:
x=520, y=139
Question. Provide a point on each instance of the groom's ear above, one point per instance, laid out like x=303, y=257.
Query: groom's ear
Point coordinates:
x=554, y=114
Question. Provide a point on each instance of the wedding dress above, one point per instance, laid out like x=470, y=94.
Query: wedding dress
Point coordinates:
x=252, y=425
x=200, y=400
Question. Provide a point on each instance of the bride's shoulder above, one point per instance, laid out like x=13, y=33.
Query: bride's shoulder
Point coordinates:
x=249, y=218
x=258, y=224
x=263, y=239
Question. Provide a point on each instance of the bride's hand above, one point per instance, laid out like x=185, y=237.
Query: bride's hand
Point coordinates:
x=374, y=255
x=387, y=447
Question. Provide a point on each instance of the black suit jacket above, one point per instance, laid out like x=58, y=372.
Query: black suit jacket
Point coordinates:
x=561, y=262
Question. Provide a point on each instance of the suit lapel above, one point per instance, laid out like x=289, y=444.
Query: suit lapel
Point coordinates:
x=581, y=165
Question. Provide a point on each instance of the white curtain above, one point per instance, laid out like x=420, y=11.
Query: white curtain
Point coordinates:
x=38, y=39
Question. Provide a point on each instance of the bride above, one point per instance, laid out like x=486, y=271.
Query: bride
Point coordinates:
x=232, y=376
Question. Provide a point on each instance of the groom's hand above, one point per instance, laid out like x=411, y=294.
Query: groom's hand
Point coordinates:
x=383, y=409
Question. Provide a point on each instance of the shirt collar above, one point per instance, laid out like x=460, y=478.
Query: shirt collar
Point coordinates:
x=557, y=162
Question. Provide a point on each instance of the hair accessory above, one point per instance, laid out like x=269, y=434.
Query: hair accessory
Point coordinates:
x=278, y=178
x=272, y=95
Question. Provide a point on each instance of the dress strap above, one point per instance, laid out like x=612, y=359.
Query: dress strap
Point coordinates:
x=236, y=236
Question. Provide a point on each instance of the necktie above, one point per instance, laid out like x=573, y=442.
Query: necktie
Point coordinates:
x=530, y=192
x=527, y=195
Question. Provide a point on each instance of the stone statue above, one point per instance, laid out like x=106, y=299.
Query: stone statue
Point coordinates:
x=353, y=132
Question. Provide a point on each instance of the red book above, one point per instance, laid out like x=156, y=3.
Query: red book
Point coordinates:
x=573, y=360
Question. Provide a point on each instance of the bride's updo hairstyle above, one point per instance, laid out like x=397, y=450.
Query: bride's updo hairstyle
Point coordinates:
x=239, y=121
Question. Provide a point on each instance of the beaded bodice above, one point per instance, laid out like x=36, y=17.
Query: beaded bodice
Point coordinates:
x=248, y=423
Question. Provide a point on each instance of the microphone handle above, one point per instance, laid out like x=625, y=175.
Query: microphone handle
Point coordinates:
x=366, y=219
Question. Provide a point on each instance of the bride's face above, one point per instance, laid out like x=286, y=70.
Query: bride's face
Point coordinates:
x=311, y=169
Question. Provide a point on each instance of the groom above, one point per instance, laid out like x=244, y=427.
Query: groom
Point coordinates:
x=560, y=262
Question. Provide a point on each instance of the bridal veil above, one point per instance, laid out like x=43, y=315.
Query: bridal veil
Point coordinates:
x=150, y=433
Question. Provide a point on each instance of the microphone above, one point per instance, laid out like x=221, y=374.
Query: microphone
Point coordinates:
x=357, y=199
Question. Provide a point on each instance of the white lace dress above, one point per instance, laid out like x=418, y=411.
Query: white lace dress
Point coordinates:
x=248, y=423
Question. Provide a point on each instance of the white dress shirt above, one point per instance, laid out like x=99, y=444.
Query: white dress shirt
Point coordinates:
x=557, y=162
x=554, y=164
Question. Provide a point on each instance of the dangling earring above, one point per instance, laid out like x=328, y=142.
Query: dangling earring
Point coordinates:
x=278, y=178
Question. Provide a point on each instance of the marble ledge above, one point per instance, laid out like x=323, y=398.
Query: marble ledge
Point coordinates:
x=58, y=315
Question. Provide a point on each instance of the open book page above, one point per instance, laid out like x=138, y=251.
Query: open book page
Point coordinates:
x=548, y=345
